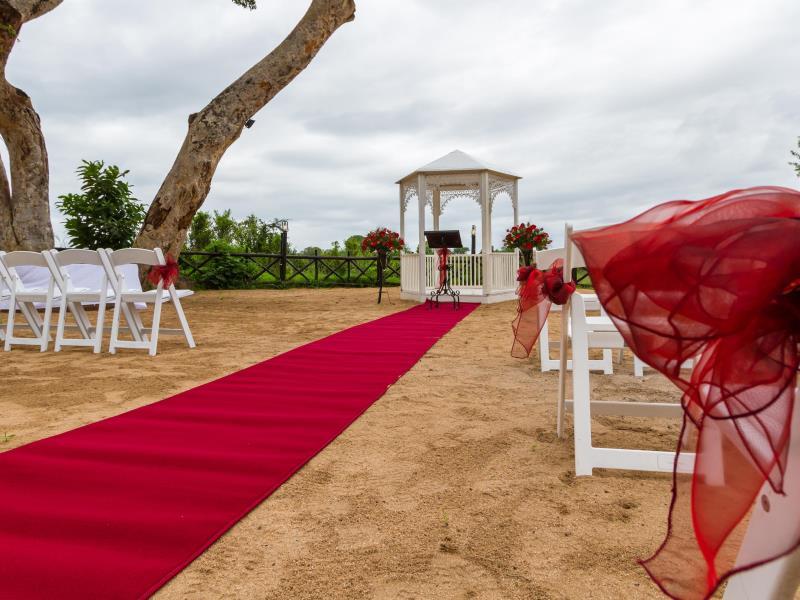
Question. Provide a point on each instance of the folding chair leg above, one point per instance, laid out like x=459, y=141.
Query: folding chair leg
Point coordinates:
x=62, y=317
x=32, y=317
x=187, y=333
x=582, y=408
x=12, y=310
x=48, y=313
x=156, y=323
x=81, y=319
x=137, y=320
x=544, y=348
x=638, y=366
x=608, y=362
x=98, y=330
x=112, y=344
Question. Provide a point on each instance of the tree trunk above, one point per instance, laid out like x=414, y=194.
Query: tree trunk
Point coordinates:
x=218, y=125
x=8, y=240
x=25, y=214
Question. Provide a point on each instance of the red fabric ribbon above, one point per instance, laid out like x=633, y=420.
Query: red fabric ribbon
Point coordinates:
x=443, y=254
x=714, y=281
x=537, y=291
x=167, y=273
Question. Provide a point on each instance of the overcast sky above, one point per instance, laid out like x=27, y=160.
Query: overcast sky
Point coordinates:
x=603, y=107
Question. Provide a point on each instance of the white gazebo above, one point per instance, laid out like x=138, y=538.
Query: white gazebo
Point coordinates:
x=486, y=277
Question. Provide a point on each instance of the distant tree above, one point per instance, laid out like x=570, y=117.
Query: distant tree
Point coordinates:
x=224, y=227
x=352, y=245
x=335, y=249
x=105, y=214
x=201, y=234
x=255, y=235
x=796, y=154
x=312, y=250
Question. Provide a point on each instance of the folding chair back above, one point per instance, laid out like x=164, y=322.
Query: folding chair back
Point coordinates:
x=544, y=260
x=26, y=298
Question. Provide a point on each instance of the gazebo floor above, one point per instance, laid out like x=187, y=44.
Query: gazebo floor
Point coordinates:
x=467, y=294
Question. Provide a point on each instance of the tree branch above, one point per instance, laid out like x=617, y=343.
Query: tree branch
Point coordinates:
x=220, y=123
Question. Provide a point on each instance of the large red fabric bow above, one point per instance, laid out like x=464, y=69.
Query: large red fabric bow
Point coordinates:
x=537, y=291
x=715, y=281
x=168, y=273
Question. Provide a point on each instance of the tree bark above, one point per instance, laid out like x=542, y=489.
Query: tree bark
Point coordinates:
x=26, y=221
x=220, y=123
x=8, y=240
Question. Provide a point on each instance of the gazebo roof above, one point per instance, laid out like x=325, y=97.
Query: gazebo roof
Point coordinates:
x=457, y=162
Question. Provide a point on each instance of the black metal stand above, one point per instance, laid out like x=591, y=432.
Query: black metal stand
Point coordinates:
x=381, y=267
x=445, y=290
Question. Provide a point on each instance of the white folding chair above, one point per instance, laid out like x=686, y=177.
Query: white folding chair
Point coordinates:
x=25, y=298
x=544, y=260
x=127, y=296
x=588, y=333
x=73, y=297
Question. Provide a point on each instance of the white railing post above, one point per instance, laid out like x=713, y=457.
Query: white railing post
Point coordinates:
x=422, y=197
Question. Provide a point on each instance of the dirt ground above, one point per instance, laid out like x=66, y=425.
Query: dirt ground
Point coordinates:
x=452, y=485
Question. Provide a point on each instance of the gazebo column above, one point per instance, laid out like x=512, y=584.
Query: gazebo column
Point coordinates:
x=515, y=201
x=437, y=208
x=486, y=232
x=402, y=212
x=422, y=195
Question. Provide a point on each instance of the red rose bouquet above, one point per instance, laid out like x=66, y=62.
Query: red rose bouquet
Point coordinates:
x=527, y=237
x=382, y=241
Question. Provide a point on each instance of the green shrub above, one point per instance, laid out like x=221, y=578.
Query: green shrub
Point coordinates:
x=226, y=271
x=105, y=214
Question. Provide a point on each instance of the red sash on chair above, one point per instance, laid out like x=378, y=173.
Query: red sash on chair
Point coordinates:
x=717, y=279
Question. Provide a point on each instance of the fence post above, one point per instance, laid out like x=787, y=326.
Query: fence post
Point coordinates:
x=284, y=251
x=316, y=266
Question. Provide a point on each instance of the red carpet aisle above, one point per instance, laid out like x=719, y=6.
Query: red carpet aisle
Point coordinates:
x=117, y=508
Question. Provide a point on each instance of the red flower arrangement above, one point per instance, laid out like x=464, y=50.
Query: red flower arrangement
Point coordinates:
x=382, y=240
x=527, y=237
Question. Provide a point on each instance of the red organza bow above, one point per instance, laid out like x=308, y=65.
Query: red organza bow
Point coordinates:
x=537, y=291
x=167, y=273
x=714, y=281
x=443, y=254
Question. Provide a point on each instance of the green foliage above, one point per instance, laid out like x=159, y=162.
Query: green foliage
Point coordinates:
x=251, y=234
x=251, y=4
x=224, y=227
x=254, y=235
x=226, y=271
x=796, y=154
x=105, y=214
x=201, y=233
x=352, y=245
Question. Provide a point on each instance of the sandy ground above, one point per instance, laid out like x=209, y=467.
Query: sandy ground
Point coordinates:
x=453, y=485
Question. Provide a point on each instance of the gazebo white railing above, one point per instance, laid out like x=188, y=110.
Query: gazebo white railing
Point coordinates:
x=486, y=277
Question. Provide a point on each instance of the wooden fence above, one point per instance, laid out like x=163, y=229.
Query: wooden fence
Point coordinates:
x=255, y=269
